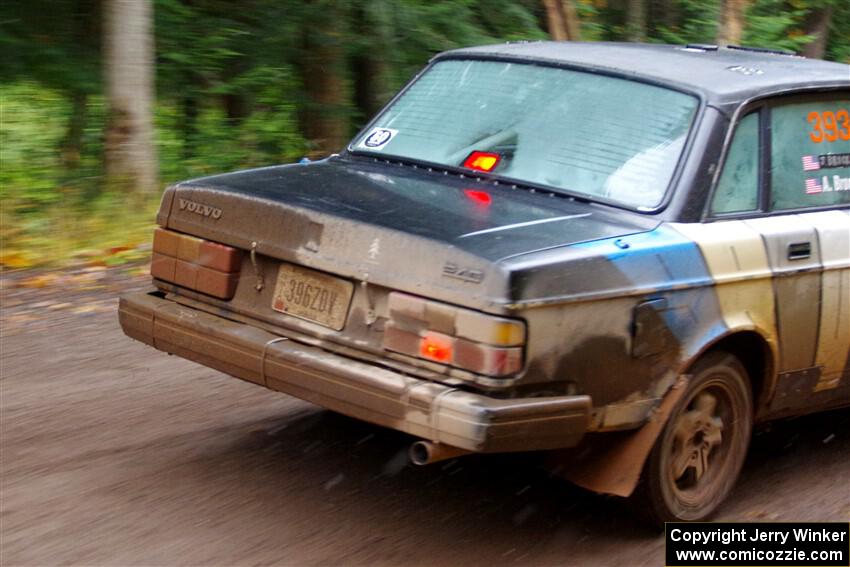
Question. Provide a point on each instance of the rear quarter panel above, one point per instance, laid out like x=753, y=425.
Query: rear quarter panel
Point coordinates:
x=619, y=319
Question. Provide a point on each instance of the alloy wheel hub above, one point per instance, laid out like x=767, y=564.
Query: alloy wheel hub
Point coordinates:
x=697, y=433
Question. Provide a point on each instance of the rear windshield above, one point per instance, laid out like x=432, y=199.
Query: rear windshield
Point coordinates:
x=592, y=135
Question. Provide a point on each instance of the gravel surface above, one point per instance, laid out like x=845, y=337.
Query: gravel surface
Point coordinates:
x=116, y=454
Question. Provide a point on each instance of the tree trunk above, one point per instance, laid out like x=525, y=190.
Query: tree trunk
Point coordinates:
x=370, y=84
x=81, y=23
x=237, y=104
x=571, y=21
x=72, y=145
x=562, y=20
x=817, y=25
x=370, y=66
x=636, y=21
x=731, y=28
x=325, y=114
x=666, y=13
x=130, y=154
x=555, y=20
x=189, y=123
x=237, y=107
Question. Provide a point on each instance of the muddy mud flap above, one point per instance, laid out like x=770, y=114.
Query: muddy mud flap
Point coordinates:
x=614, y=466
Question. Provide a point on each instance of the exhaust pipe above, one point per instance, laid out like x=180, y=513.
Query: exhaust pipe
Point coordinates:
x=425, y=452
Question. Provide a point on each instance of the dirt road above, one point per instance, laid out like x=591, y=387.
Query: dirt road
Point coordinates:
x=115, y=454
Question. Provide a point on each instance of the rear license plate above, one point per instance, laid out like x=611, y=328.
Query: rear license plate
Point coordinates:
x=312, y=295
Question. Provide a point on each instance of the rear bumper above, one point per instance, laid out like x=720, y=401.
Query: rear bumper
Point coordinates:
x=419, y=407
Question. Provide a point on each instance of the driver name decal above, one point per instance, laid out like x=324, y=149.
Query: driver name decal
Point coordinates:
x=827, y=161
x=827, y=184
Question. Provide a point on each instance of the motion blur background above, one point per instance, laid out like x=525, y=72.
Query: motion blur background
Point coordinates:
x=114, y=456
x=104, y=102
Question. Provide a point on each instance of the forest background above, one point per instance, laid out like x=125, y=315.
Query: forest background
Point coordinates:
x=105, y=102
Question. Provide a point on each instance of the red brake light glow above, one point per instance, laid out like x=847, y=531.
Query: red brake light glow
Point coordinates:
x=478, y=197
x=436, y=347
x=482, y=161
x=477, y=342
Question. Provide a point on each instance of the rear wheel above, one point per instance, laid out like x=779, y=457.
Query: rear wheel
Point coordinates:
x=701, y=449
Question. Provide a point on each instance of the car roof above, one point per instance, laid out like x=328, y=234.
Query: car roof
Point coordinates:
x=723, y=75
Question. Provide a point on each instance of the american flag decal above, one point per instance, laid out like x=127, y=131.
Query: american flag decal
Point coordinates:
x=811, y=163
x=813, y=186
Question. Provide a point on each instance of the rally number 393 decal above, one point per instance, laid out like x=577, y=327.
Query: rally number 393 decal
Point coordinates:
x=829, y=126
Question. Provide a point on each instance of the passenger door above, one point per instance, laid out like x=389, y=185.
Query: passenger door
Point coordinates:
x=810, y=186
x=773, y=182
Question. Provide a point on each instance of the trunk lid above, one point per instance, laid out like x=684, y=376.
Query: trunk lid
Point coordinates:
x=400, y=227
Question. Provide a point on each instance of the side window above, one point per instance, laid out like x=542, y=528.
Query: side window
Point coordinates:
x=810, y=154
x=738, y=187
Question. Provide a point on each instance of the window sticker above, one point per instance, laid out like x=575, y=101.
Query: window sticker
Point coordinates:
x=827, y=184
x=378, y=138
x=827, y=161
x=829, y=126
x=811, y=163
x=834, y=160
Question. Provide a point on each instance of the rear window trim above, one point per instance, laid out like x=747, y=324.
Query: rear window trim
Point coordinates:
x=695, y=125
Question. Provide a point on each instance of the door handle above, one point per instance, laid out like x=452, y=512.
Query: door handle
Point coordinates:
x=799, y=250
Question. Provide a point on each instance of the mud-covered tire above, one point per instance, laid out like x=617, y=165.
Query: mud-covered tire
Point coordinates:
x=699, y=453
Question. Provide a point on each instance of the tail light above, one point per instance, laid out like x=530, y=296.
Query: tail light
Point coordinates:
x=463, y=338
x=195, y=263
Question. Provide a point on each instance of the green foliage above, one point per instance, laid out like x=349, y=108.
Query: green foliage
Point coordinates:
x=269, y=135
x=31, y=130
x=234, y=87
x=697, y=23
x=773, y=24
x=838, y=48
x=55, y=43
x=593, y=25
x=508, y=21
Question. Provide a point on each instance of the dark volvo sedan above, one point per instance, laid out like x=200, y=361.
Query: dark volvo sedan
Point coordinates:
x=636, y=250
